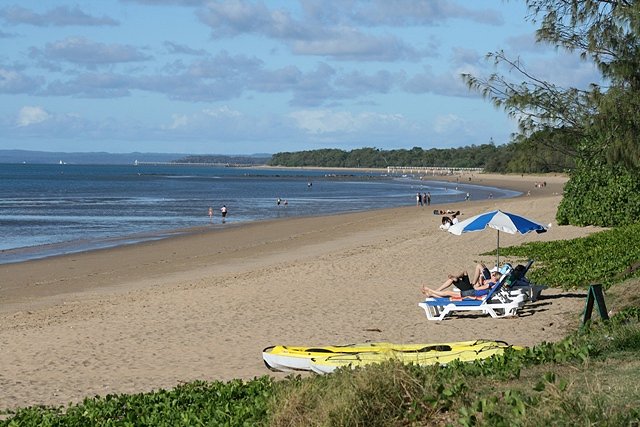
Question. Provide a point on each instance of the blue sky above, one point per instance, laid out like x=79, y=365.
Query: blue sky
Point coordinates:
x=242, y=77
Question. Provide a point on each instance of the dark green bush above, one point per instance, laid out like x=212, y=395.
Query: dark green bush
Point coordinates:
x=601, y=195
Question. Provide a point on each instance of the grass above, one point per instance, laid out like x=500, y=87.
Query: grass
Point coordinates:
x=606, y=257
x=592, y=377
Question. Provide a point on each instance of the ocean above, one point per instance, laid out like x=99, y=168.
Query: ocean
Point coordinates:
x=48, y=210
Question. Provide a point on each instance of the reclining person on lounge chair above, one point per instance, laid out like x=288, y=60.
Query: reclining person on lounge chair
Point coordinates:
x=479, y=287
x=480, y=274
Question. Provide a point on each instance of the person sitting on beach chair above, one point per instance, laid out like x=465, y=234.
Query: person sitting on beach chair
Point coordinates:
x=480, y=274
x=517, y=281
x=446, y=223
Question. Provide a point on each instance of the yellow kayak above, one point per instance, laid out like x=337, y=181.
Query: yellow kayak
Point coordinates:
x=325, y=365
x=297, y=358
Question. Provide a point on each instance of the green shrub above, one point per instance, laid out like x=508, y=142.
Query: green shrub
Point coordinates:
x=605, y=257
x=600, y=195
x=235, y=403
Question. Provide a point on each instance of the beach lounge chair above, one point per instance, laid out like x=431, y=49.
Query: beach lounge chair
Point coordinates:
x=517, y=281
x=497, y=303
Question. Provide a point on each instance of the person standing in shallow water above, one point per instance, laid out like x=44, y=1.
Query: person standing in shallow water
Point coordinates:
x=223, y=211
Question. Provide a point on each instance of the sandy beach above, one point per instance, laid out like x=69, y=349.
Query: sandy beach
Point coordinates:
x=204, y=305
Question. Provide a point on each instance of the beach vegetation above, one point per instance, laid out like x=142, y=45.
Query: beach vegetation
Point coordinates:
x=545, y=151
x=602, y=195
x=191, y=404
x=463, y=157
x=600, y=124
x=220, y=159
x=518, y=156
x=589, y=378
x=606, y=257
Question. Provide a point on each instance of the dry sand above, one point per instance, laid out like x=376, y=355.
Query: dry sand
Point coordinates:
x=204, y=305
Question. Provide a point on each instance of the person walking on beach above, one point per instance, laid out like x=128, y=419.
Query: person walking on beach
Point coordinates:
x=223, y=211
x=429, y=198
x=418, y=199
x=210, y=214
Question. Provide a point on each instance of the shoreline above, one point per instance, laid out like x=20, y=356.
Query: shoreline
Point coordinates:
x=29, y=253
x=78, y=247
x=203, y=306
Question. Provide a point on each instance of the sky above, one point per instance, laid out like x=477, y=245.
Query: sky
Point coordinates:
x=245, y=77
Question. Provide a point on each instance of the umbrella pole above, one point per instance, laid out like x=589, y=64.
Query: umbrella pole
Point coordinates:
x=498, y=251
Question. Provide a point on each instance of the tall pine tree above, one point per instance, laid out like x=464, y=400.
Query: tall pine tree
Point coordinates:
x=601, y=124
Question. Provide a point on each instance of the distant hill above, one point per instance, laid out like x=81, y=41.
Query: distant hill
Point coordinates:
x=26, y=156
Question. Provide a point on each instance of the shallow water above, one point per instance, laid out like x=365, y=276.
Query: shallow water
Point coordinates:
x=55, y=209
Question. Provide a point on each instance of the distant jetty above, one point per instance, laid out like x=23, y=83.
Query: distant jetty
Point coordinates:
x=430, y=170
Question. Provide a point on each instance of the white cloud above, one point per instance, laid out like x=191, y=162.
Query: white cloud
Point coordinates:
x=208, y=118
x=8, y=75
x=15, y=81
x=326, y=121
x=179, y=121
x=222, y=112
x=31, y=115
x=59, y=16
x=82, y=51
x=448, y=123
x=323, y=121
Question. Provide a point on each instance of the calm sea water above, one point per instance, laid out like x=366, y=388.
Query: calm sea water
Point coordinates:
x=54, y=209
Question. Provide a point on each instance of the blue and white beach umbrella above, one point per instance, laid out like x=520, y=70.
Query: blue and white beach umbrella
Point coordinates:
x=501, y=221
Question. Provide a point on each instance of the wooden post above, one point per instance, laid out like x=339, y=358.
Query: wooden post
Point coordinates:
x=595, y=295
